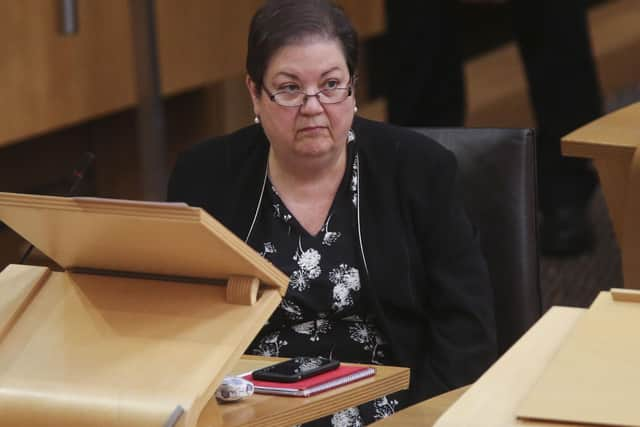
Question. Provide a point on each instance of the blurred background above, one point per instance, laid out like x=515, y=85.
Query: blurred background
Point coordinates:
x=137, y=81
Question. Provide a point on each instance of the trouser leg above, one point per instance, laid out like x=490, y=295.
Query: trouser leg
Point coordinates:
x=553, y=38
x=425, y=74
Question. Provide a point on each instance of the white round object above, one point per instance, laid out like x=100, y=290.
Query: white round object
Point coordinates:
x=233, y=389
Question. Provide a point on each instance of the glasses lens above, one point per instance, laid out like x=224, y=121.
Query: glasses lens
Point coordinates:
x=331, y=96
x=289, y=99
x=297, y=98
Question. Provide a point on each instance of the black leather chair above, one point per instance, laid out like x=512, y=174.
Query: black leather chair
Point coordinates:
x=498, y=175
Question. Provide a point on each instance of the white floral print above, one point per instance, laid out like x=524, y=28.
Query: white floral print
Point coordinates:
x=270, y=345
x=293, y=311
x=309, y=263
x=354, y=182
x=384, y=407
x=269, y=248
x=368, y=335
x=329, y=237
x=347, y=281
x=349, y=417
x=277, y=212
x=313, y=328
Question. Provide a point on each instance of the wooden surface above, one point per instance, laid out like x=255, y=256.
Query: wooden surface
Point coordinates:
x=110, y=349
x=493, y=399
x=613, y=136
x=85, y=350
x=593, y=378
x=48, y=81
x=612, y=141
x=140, y=237
x=274, y=411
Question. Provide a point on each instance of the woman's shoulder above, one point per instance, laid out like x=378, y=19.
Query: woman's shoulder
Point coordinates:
x=235, y=144
x=397, y=142
x=214, y=163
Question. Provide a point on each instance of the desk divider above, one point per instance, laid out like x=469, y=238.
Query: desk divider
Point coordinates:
x=135, y=343
x=593, y=378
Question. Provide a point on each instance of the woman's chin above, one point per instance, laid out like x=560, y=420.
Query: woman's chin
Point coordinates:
x=315, y=147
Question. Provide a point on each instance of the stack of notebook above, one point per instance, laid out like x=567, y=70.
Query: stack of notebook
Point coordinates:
x=345, y=374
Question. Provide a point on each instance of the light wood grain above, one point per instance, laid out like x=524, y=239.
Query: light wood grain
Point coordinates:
x=614, y=181
x=101, y=350
x=242, y=290
x=492, y=400
x=593, y=378
x=19, y=284
x=117, y=347
x=140, y=237
x=613, y=136
x=612, y=141
x=629, y=295
x=49, y=81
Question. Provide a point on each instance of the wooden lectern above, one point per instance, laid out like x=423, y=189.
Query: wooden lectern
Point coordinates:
x=131, y=333
x=156, y=304
x=612, y=142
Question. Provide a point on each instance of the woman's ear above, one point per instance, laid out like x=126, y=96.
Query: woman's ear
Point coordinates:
x=255, y=95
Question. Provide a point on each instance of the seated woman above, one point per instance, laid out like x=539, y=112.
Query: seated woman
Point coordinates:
x=364, y=217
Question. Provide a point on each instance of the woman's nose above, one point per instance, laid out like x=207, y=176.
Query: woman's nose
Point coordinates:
x=311, y=105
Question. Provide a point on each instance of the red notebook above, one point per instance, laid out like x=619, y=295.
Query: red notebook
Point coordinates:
x=345, y=374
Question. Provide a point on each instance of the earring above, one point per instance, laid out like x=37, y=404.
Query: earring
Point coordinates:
x=355, y=109
x=256, y=120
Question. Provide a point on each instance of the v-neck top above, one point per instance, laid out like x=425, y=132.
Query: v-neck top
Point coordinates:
x=323, y=311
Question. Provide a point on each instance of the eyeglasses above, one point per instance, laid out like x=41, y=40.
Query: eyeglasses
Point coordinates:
x=296, y=98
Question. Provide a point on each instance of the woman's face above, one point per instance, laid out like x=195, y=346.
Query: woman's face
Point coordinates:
x=312, y=130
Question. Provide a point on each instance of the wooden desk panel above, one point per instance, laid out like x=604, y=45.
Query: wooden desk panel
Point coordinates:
x=493, y=399
x=612, y=142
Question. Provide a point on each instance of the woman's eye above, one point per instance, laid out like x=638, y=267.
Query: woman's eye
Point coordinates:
x=290, y=88
x=331, y=84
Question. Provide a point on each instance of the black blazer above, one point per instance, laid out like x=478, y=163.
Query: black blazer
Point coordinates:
x=427, y=283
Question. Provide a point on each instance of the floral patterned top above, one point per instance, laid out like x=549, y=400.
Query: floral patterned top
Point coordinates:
x=323, y=312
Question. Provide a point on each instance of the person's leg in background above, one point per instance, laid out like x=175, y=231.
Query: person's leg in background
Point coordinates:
x=554, y=42
x=425, y=81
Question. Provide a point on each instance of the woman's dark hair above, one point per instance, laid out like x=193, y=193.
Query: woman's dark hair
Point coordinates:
x=279, y=23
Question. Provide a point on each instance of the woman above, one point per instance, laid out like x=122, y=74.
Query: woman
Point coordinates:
x=363, y=217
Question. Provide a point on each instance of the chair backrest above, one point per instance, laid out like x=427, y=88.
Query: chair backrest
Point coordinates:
x=497, y=170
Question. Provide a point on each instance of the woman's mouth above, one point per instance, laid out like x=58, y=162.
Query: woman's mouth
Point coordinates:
x=312, y=129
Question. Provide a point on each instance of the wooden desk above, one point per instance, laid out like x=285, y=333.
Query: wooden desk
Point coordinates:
x=493, y=399
x=612, y=141
x=267, y=410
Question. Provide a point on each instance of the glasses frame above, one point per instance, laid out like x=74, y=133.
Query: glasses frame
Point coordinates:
x=306, y=96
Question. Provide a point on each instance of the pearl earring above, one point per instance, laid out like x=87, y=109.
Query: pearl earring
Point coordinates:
x=355, y=109
x=256, y=120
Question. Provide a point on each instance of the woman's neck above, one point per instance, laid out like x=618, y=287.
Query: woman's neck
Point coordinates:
x=308, y=189
x=308, y=176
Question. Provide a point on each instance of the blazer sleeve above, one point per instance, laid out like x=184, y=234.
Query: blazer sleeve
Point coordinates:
x=461, y=332
x=195, y=178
